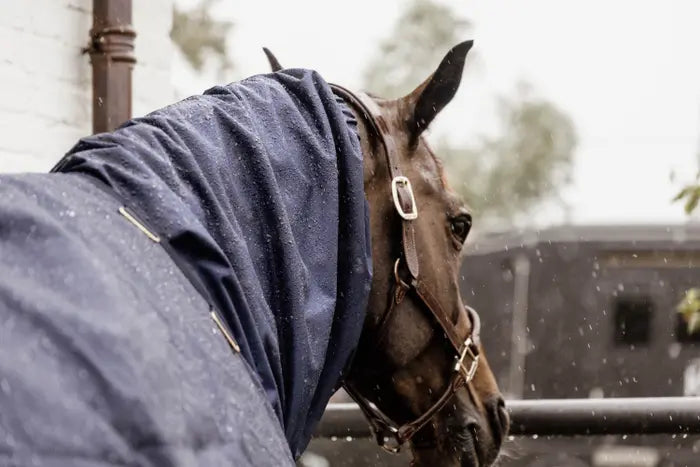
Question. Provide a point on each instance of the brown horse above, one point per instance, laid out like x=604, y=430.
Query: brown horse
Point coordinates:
x=404, y=375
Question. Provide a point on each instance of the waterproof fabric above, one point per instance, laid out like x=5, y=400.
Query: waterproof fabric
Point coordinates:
x=107, y=354
x=256, y=192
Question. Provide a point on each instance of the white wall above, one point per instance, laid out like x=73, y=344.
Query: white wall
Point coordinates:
x=152, y=86
x=45, y=80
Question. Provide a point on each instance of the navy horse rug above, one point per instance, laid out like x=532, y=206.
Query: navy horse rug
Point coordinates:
x=189, y=289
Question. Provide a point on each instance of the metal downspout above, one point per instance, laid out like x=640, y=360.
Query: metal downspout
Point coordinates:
x=112, y=57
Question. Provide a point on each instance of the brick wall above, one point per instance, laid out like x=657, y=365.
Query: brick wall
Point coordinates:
x=45, y=80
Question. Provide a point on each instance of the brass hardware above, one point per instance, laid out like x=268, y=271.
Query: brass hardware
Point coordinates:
x=139, y=225
x=223, y=330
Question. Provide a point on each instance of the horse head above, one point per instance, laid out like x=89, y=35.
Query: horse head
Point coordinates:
x=420, y=374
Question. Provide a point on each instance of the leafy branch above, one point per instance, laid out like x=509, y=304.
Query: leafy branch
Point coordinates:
x=691, y=195
x=689, y=307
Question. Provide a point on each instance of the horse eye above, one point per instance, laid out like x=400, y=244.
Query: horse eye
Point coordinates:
x=460, y=226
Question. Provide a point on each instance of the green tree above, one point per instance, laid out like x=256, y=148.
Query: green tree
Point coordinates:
x=413, y=49
x=504, y=176
x=198, y=35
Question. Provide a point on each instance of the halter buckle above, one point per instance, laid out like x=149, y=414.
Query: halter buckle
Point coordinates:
x=406, y=183
x=467, y=350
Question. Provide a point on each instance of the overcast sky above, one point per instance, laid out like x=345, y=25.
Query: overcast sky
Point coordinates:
x=626, y=71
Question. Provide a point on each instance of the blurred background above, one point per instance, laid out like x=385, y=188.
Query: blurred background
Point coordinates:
x=577, y=103
x=576, y=126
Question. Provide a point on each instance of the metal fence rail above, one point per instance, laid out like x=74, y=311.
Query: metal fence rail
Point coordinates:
x=565, y=417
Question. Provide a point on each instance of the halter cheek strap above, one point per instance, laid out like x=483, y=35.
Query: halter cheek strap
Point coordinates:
x=388, y=434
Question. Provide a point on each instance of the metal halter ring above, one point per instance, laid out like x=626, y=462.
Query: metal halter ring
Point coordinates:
x=392, y=443
x=404, y=182
x=397, y=276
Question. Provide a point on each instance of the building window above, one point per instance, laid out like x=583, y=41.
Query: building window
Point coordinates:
x=682, y=331
x=633, y=320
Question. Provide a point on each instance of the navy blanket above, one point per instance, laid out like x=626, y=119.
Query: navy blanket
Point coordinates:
x=256, y=192
x=107, y=354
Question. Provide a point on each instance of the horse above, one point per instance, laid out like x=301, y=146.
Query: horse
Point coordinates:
x=183, y=291
x=453, y=414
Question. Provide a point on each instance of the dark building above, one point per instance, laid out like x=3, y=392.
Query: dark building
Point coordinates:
x=576, y=312
x=581, y=311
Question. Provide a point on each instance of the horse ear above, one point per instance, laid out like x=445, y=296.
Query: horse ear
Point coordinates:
x=428, y=99
x=274, y=63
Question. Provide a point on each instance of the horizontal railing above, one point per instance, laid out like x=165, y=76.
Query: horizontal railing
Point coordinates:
x=563, y=417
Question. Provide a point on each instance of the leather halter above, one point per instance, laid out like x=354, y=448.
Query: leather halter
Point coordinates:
x=389, y=435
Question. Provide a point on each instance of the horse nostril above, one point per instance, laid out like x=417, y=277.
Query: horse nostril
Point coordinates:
x=503, y=417
x=500, y=421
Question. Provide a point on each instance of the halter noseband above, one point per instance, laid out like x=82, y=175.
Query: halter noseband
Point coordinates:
x=388, y=434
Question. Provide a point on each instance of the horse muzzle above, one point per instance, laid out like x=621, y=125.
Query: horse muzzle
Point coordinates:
x=462, y=435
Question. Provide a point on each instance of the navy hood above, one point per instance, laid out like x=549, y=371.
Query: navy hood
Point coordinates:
x=256, y=191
